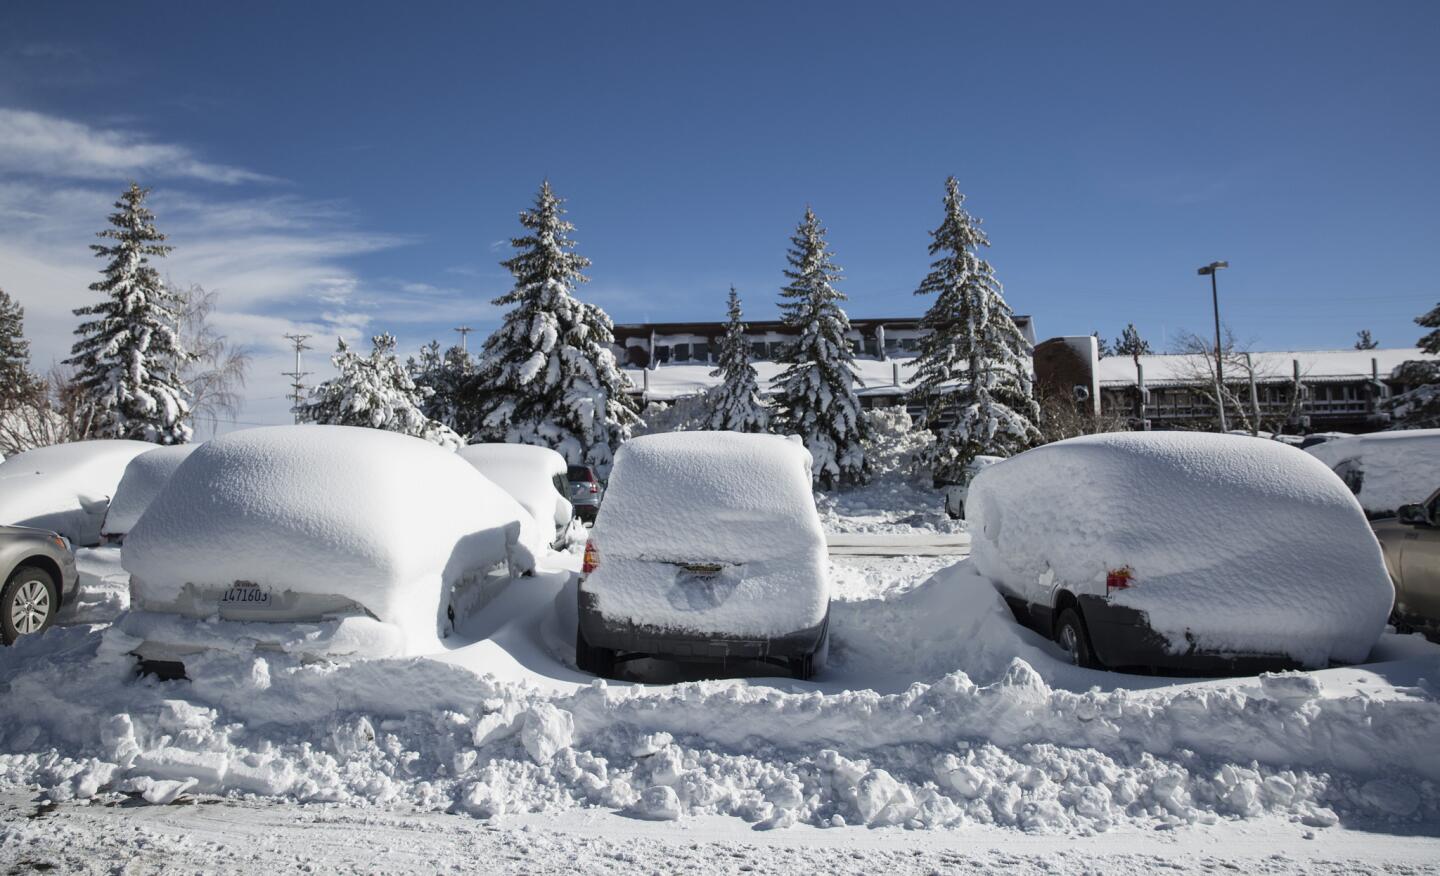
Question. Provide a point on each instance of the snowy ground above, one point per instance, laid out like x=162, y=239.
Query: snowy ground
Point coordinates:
x=942, y=737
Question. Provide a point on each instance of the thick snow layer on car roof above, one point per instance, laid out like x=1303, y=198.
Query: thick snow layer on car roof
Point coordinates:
x=527, y=473
x=65, y=487
x=387, y=520
x=144, y=478
x=741, y=501
x=1246, y=545
x=1389, y=469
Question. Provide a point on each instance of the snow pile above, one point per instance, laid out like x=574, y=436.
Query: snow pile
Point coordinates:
x=738, y=500
x=144, y=478
x=65, y=487
x=1239, y=545
x=386, y=520
x=528, y=474
x=1387, y=469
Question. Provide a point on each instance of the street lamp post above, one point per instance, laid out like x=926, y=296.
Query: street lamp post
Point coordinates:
x=1211, y=270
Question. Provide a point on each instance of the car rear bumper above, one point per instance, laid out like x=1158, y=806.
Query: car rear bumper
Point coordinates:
x=166, y=637
x=1122, y=637
x=625, y=636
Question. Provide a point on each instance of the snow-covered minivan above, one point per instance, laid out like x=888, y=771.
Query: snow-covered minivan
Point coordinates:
x=708, y=548
x=1181, y=550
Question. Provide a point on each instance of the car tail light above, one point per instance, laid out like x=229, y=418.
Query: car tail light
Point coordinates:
x=1119, y=579
x=592, y=558
x=594, y=487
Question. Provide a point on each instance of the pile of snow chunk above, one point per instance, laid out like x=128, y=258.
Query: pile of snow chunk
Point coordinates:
x=742, y=501
x=145, y=476
x=389, y=521
x=1387, y=469
x=1241, y=545
x=65, y=487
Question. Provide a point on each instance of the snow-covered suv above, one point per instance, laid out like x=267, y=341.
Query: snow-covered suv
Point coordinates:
x=708, y=548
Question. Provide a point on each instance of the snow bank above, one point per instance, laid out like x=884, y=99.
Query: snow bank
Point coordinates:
x=144, y=478
x=386, y=520
x=740, y=501
x=65, y=487
x=1245, y=545
x=527, y=473
x=1387, y=469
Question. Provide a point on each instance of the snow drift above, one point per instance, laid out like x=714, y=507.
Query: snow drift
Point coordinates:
x=1387, y=469
x=65, y=487
x=740, y=501
x=527, y=473
x=1244, y=545
x=388, y=521
x=144, y=478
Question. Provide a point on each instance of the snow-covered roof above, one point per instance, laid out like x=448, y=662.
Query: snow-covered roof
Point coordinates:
x=669, y=382
x=1315, y=365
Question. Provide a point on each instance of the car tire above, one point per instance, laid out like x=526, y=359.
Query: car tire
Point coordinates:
x=596, y=661
x=29, y=602
x=1070, y=634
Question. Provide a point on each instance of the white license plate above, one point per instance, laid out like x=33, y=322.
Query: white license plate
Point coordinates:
x=246, y=596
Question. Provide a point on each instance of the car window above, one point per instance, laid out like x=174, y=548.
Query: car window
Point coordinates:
x=562, y=485
x=579, y=473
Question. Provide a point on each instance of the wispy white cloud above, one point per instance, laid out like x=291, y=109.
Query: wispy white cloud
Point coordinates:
x=36, y=143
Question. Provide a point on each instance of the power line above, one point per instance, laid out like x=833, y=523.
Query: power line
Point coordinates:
x=297, y=385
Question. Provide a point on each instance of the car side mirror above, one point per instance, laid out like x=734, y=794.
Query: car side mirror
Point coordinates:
x=1413, y=515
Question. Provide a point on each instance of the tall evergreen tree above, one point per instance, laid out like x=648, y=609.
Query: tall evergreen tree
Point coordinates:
x=1363, y=340
x=17, y=383
x=377, y=392
x=972, y=374
x=1430, y=343
x=447, y=375
x=547, y=376
x=735, y=404
x=815, y=394
x=1131, y=344
x=1102, y=346
x=129, y=355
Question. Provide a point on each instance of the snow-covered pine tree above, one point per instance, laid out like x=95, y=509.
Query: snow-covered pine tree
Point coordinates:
x=447, y=376
x=1131, y=344
x=1430, y=343
x=374, y=391
x=735, y=404
x=129, y=356
x=17, y=383
x=815, y=394
x=547, y=376
x=972, y=374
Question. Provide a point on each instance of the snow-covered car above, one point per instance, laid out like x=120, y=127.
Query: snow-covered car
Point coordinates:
x=957, y=493
x=1411, y=542
x=1181, y=550
x=1386, y=469
x=534, y=476
x=65, y=488
x=708, y=548
x=586, y=492
x=37, y=574
x=323, y=541
x=144, y=478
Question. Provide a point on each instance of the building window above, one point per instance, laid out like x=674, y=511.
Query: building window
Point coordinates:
x=682, y=352
x=777, y=349
x=909, y=345
x=702, y=352
x=662, y=355
x=757, y=350
x=872, y=347
x=892, y=344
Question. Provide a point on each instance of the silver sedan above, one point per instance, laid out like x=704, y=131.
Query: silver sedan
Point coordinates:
x=38, y=568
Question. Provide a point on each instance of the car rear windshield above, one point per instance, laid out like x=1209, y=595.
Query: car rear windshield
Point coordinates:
x=580, y=473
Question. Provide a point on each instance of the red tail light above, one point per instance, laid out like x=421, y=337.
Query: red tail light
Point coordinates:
x=1119, y=579
x=592, y=558
x=594, y=487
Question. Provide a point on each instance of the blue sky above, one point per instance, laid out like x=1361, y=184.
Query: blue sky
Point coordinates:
x=348, y=167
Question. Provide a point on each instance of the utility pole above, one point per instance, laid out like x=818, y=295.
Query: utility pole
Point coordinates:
x=1211, y=270
x=464, y=331
x=297, y=387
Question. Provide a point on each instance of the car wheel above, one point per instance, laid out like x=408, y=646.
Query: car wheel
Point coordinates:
x=596, y=661
x=1070, y=634
x=28, y=603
